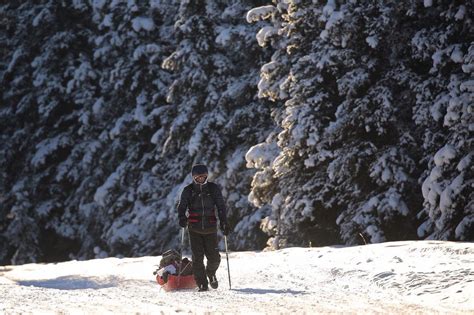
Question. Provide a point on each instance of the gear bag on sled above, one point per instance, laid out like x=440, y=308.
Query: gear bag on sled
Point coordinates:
x=175, y=273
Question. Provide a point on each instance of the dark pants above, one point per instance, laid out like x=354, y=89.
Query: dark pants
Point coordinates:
x=204, y=244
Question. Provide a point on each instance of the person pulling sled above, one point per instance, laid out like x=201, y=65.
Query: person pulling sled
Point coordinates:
x=201, y=200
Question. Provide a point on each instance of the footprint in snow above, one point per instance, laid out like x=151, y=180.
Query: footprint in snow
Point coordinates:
x=397, y=259
x=383, y=275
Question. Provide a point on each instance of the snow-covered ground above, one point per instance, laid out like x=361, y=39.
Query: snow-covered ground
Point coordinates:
x=396, y=277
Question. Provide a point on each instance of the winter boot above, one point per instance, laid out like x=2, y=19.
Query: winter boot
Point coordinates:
x=203, y=287
x=213, y=281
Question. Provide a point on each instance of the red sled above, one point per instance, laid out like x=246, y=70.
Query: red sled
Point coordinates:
x=177, y=282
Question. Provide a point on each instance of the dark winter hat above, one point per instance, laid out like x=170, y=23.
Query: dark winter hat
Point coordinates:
x=199, y=169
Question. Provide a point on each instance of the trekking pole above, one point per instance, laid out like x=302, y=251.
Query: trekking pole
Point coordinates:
x=181, y=255
x=227, y=255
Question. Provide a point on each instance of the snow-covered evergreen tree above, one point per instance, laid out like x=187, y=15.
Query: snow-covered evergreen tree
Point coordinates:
x=217, y=115
x=323, y=122
x=444, y=109
x=348, y=157
x=93, y=123
x=91, y=76
x=37, y=119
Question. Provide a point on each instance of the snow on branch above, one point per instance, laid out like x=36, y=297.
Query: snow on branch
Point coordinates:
x=260, y=13
x=143, y=23
x=47, y=148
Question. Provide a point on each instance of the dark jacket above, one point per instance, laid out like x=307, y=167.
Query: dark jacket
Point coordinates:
x=202, y=202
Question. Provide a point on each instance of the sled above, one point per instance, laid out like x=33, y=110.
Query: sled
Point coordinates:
x=172, y=263
x=177, y=282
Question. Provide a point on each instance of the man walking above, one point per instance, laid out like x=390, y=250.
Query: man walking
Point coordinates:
x=200, y=200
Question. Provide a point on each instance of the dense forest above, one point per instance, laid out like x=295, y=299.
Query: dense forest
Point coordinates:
x=324, y=122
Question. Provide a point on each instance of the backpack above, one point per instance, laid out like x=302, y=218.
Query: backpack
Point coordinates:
x=170, y=257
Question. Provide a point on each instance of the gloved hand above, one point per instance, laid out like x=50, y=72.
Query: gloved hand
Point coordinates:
x=183, y=222
x=225, y=228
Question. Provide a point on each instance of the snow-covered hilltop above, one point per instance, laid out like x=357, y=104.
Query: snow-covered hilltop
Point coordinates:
x=421, y=277
x=325, y=122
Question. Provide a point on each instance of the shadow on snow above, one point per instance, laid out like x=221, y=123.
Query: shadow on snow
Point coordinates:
x=73, y=283
x=269, y=291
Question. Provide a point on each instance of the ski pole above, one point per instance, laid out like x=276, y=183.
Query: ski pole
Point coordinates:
x=227, y=255
x=181, y=255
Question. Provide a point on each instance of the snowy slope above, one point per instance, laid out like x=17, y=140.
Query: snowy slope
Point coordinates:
x=397, y=277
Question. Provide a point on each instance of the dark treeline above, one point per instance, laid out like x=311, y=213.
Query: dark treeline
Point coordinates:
x=323, y=122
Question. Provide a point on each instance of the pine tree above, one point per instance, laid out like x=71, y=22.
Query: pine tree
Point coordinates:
x=322, y=122
x=217, y=118
x=346, y=161
x=444, y=111
x=36, y=118
x=106, y=150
